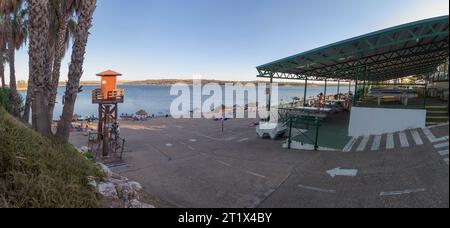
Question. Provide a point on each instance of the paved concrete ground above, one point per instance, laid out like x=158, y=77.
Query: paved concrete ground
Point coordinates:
x=191, y=163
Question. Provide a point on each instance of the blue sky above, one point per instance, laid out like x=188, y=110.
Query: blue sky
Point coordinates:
x=226, y=39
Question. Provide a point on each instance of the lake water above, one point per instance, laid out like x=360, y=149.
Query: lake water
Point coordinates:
x=157, y=99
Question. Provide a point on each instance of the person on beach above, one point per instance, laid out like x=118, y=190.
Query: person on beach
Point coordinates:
x=320, y=105
x=115, y=130
x=348, y=101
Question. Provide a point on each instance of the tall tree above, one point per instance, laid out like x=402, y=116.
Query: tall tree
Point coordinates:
x=62, y=25
x=14, y=17
x=38, y=62
x=2, y=56
x=66, y=26
x=85, y=14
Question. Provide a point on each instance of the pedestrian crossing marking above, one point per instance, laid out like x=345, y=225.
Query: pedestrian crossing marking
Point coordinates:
x=431, y=137
x=441, y=145
x=416, y=136
x=376, y=143
x=394, y=140
x=390, y=142
x=350, y=144
x=443, y=152
x=403, y=140
x=363, y=144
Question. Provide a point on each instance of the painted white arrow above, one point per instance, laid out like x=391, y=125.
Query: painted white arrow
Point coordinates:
x=342, y=172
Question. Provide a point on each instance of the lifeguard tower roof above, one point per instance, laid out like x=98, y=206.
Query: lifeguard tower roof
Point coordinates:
x=109, y=73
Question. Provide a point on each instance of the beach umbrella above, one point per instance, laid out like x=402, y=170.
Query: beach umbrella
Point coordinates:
x=142, y=113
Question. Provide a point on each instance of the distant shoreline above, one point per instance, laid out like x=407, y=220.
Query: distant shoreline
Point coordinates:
x=171, y=82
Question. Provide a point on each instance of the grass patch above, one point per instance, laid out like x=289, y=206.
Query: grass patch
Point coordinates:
x=36, y=172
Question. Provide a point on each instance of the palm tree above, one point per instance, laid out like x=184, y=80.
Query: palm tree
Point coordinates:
x=2, y=58
x=66, y=27
x=14, y=17
x=85, y=14
x=62, y=26
x=38, y=60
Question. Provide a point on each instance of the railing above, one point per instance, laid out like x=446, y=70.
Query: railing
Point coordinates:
x=114, y=96
x=304, y=123
x=116, y=145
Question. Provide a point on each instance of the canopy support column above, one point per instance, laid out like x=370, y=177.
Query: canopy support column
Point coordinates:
x=358, y=71
x=325, y=92
x=338, y=90
x=350, y=86
x=269, y=103
x=306, y=88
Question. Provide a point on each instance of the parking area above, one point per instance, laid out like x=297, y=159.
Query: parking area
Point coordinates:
x=192, y=163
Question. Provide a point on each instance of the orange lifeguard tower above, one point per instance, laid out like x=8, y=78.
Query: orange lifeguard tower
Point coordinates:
x=107, y=97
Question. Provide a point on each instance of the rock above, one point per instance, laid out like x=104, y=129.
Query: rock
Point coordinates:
x=83, y=149
x=107, y=171
x=92, y=182
x=126, y=192
x=137, y=204
x=136, y=186
x=116, y=181
x=107, y=189
x=118, y=177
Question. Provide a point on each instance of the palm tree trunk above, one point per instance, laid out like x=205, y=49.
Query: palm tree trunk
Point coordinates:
x=28, y=101
x=2, y=66
x=2, y=71
x=59, y=55
x=12, y=80
x=38, y=53
x=76, y=66
x=12, y=75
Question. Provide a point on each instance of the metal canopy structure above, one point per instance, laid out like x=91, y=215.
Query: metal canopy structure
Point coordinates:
x=401, y=51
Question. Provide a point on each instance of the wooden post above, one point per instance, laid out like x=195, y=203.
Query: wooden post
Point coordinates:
x=106, y=131
x=100, y=122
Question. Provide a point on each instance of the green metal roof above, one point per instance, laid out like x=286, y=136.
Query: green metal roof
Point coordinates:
x=405, y=50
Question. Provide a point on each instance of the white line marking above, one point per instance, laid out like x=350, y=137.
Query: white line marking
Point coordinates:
x=403, y=139
x=243, y=140
x=191, y=148
x=350, y=145
x=443, y=153
x=396, y=193
x=223, y=163
x=217, y=139
x=431, y=137
x=416, y=136
x=342, y=172
x=441, y=145
x=193, y=140
x=390, y=142
x=317, y=189
x=256, y=174
x=169, y=145
x=363, y=144
x=376, y=143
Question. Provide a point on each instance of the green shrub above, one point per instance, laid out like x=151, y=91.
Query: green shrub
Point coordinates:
x=41, y=173
x=5, y=99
